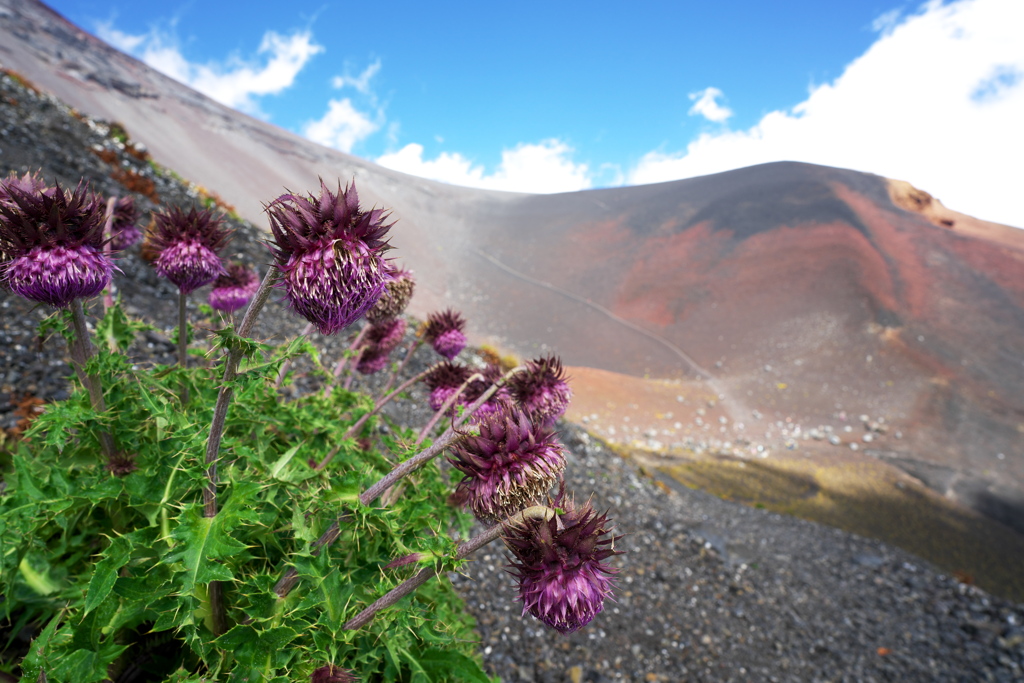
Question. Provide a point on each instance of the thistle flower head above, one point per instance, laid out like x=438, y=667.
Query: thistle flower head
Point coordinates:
x=328, y=673
x=542, y=389
x=186, y=244
x=444, y=332
x=330, y=253
x=234, y=288
x=510, y=465
x=51, y=242
x=123, y=229
x=443, y=380
x=395, y=298
x=30, y=183
x=386, y=334
x=559, y=562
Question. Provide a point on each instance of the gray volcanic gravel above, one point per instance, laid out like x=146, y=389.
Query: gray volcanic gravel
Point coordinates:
x=708, y=590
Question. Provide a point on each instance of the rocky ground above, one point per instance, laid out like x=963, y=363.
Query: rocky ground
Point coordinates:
x=708, y=590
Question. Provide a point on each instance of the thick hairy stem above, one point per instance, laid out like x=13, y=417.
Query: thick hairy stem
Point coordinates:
x=108, y=293
x=401, y=366
x=220, y=410
x=183, y=341
x=81, y=351
x=414, y=463
x=445, y=407
x=287, y=364
x=354, y=429
x=464, y=550
x=343, y=361
x=218, y=609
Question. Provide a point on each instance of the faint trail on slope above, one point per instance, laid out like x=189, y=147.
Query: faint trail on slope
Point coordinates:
x=690, y=362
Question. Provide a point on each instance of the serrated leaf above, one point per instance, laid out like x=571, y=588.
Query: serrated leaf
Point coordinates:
x=105, y=574
x=282, y=462
x=449, y=665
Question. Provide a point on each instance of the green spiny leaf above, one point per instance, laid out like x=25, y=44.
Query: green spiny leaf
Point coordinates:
x=114, y=557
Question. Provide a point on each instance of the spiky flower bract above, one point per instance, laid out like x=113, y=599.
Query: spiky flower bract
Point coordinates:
x=395, y=298
x=186, y=244
x=510, y=465
x=542, y=389
x=444, y=332
x=559, y=562
x=443, y=380
x=51, y=242
x=123, y=229
x=330, y=253
x=233, y=289
x=329, y=673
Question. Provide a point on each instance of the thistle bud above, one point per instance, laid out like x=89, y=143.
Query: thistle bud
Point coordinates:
x=443, y=380
x=395, y=298
x=542, y=389
x=51, y=242
x=444, y=332
x=330, y=253
x=186, y=244
x=123, y=229
x=233, y=289
x=509, y=466
x=329, y=673
x=559, y=562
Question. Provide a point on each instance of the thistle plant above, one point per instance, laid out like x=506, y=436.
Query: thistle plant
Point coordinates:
x=444, y=331
x=233, y=289
x=443, y=380
x=509, y=466
x=560, y=564
x=330, y=253
x=124, y=231
x=258, y=546
x=395, y=299
x=52, y=242
x=186, y=245
x=542, y=389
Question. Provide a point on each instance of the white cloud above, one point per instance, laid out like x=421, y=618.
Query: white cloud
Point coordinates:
x=236, y=82
x=360, y=82
x=937, y=100
x=707, y=105
x=541, y=168
x=341, y=127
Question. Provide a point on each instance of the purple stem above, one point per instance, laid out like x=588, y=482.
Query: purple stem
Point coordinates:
x=444, y=408
x=465, y=549
x=405, y=361
x=354, y=429
x=108, y=224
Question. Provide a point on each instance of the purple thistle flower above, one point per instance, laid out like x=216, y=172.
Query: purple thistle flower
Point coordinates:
x=563, y=579
x=380, y=340
x=444, y=332
x=123, y=229
x=186, y=245
x=328, y=673
x=51, y=242
x=233, y=289
x=330, y=253
x=30, y=183
x=443, y=380
x=542, y=389
x=395, y=298
x=509, y=466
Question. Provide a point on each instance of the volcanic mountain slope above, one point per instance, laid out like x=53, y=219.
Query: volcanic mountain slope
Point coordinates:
x=793, y=295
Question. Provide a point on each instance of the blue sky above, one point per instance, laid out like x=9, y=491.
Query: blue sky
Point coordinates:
x=559, y=96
